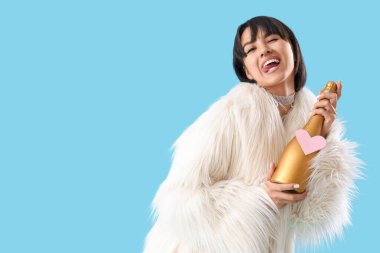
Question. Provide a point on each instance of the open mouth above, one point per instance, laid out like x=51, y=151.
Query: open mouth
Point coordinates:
x=270, y=65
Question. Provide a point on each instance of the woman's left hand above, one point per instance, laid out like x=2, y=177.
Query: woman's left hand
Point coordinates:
x=326, y=106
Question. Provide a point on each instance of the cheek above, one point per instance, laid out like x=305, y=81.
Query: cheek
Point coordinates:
x=249, y=63
x=291, y=60
x=290, y=53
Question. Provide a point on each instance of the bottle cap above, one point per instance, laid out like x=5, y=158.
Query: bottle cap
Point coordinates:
x=330, y=87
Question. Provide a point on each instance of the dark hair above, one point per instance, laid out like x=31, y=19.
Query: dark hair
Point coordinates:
x=269, y=26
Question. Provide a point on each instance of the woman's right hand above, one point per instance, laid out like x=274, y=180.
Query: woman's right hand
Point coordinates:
x=275, y=191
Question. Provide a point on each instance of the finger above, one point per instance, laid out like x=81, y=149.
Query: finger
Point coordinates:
x=327, y=96
x=321, y=104
x=290, y=197
x=326, y=105
x=328, y=111
x=325, y=99
x=331, y=109
x=334, y=100
x=328, y=116
x=282, y=187
x=339, y=90
x=321, y=111
x=272, y=168
x=318, y=111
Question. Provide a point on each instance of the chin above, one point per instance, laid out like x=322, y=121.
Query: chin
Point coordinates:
x=271, y=84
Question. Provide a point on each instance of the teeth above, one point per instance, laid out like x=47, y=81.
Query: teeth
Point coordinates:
x=270, y=61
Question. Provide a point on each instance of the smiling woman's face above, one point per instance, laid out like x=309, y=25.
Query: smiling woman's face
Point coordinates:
x=270, y=59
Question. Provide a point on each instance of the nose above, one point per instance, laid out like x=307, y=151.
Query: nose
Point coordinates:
x=265, y=52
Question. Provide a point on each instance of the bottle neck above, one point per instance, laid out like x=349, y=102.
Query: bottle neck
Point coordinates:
x=314, y=125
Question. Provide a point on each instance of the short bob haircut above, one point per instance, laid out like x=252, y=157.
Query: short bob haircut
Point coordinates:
x=269, y=26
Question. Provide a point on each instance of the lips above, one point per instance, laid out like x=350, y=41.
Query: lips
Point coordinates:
x=269, y=63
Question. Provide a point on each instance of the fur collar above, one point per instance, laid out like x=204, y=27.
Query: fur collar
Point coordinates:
x=246, y=123
x=263, y=134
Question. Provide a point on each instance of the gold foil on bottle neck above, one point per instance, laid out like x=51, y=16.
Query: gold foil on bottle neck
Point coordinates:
x=330, y=87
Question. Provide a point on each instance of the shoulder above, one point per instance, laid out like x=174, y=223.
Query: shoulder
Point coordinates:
x=225, y=110
x=243, y=95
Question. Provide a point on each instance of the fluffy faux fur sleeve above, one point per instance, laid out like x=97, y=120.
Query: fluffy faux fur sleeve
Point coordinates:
x=326, y=209
x=200, y=207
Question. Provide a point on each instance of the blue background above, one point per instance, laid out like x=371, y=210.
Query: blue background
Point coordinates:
x=94, y=93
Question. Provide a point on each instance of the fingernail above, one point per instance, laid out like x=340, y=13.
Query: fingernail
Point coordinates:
x=296, y=186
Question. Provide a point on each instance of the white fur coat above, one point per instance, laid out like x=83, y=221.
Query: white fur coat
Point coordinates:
x=213, y=200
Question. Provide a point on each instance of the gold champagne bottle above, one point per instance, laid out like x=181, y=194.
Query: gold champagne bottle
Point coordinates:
x=294, y=165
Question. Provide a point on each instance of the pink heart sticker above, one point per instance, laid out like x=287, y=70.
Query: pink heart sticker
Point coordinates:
x=309, y=144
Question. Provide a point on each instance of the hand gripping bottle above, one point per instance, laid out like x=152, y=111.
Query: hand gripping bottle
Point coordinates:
x=294, y=166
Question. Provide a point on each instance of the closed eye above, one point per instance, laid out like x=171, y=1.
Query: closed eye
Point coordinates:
x=272, y=40
x=251, y=49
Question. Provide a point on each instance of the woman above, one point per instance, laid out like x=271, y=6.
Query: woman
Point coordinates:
x=218, y=196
